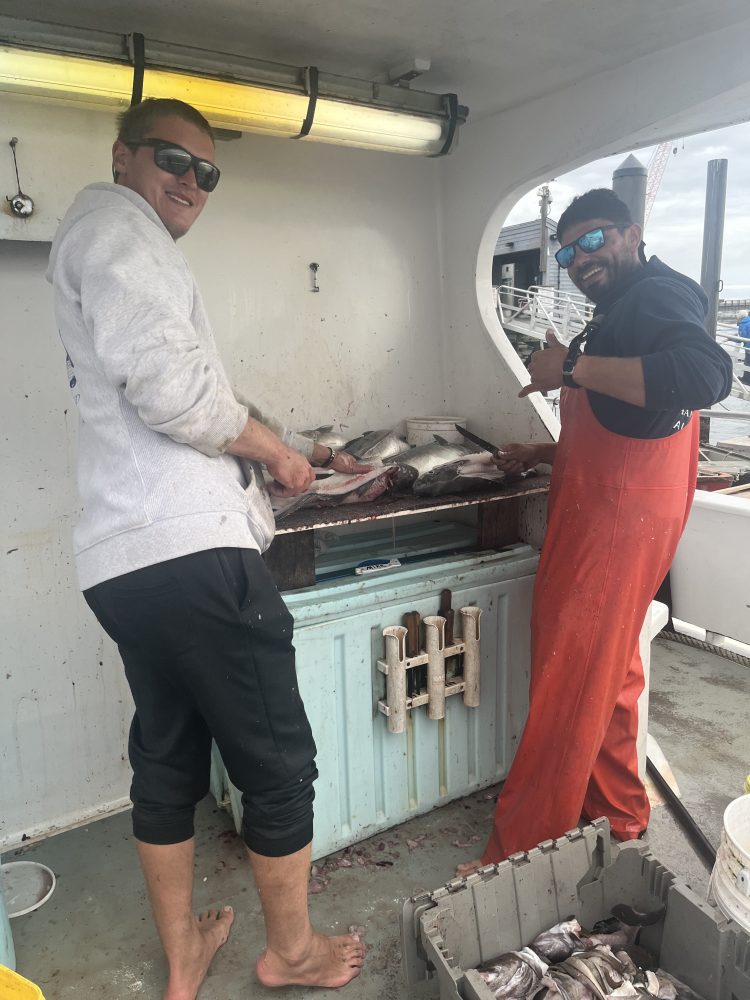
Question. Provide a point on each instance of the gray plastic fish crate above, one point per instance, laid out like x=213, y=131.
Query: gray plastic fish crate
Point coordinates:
x=448, y=933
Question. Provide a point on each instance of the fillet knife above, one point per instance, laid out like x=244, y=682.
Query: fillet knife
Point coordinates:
x=487, y=445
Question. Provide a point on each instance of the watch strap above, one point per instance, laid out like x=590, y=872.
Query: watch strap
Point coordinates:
x=576, y=349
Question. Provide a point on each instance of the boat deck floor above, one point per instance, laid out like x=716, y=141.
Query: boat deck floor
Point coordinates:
x=94, y=936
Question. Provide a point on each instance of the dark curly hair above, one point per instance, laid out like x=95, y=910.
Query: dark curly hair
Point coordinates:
x=599, y=203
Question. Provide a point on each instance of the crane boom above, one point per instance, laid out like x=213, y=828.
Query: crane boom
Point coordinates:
x=656, y=167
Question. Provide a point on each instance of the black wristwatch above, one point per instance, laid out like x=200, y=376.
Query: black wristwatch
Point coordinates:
x=329, y=460
x=567, y=370
x=575, y=350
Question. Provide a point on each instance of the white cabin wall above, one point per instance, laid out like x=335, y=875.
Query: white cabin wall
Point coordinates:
x=364, y=352
x=64, y=703
x=691, y=87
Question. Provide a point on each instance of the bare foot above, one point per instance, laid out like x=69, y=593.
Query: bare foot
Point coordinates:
x=327, y=961
x=469, y=867
x=211, y=931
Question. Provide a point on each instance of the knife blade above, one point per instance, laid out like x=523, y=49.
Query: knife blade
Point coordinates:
x=487, y=445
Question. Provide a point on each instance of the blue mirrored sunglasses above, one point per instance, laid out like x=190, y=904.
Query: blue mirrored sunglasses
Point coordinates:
x=592, y=240
x=176, y=160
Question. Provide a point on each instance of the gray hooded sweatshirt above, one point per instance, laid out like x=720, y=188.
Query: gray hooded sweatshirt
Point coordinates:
x=156, y=411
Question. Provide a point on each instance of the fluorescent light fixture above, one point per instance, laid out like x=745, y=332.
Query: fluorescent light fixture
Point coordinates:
x=91, y=70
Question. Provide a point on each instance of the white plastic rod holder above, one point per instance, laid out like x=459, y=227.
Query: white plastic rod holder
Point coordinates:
x=470, y=630
x=395, y=657
x=434, y=632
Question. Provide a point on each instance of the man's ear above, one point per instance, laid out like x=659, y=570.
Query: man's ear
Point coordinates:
x=634, y=235
x=120, y=158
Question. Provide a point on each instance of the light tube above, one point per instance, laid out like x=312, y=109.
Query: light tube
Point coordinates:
x=99, y=84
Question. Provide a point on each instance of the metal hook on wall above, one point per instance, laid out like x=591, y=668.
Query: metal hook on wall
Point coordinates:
x=314, y=268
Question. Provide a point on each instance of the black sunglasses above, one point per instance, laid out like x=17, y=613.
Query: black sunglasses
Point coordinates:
x=591, y=241
x=176, y=160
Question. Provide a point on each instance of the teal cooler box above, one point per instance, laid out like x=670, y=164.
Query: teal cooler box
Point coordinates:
x=372, y=779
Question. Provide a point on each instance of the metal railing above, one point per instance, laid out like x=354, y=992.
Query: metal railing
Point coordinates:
x=532, y=311
x=731, y=305
x=737, y=348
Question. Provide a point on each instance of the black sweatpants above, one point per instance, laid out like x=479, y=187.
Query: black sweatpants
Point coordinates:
x=206, y=641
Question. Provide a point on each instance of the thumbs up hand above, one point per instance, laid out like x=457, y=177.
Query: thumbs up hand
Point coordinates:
x=545, y=366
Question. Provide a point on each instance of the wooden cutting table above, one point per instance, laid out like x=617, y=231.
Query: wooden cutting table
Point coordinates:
x=291, y=557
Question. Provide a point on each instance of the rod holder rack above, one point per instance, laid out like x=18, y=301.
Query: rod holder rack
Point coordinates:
x=434, y=656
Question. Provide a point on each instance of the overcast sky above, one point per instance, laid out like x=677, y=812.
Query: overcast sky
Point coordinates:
x=675, y=226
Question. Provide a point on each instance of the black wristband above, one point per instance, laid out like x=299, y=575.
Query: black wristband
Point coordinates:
x=329, y=460
x=567, y=369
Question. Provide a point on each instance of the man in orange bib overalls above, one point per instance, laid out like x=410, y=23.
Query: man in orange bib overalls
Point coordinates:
x=623, y=479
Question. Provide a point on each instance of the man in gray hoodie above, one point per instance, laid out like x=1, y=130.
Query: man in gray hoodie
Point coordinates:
x=175, y=516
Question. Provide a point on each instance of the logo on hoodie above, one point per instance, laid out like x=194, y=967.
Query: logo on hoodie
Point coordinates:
x=683, y=419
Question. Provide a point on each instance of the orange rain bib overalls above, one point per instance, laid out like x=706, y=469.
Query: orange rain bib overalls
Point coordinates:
x=617, y=508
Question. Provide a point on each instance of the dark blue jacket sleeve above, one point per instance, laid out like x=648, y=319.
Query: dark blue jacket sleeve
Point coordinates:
x=683, y=367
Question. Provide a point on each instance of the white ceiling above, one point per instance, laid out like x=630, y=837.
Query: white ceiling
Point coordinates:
x=494, y=54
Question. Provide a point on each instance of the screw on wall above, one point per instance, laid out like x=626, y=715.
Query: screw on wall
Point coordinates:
x=314, y=269
x=20, y=204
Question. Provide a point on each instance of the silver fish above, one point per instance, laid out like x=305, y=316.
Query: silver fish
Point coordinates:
x=559, y=942
x=417, y=461
x=376, y=444
x=599, y=969
x=625, y=960
x=622, y=938
x=560, y=984
x=626, y=991
x=656, y=985
x=458, y=477
x=372, y=490
x=517, y=975
x=583, y=965
x=326, y=436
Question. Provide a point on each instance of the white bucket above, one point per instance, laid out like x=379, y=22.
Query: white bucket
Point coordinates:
x=421, y=430
x=729, y=887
